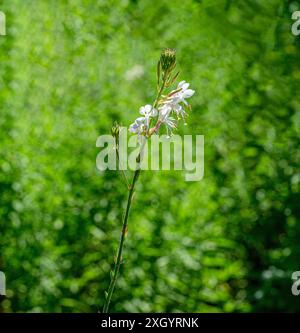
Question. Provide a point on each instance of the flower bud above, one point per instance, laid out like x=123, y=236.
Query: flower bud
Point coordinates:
x=168, y=60
x=115, y=129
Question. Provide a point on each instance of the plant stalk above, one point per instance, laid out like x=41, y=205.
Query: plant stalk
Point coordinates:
x=120, y=249
x=118, y=260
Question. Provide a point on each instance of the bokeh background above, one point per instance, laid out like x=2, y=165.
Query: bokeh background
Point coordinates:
x=229, y=243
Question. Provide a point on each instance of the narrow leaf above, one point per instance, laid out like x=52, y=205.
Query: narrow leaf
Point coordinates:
x=158, y=72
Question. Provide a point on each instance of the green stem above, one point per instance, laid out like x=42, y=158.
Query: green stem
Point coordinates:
x=120, y=249
x=159, y=93
x=118, y=260
x=163, y=86
x=122, y=171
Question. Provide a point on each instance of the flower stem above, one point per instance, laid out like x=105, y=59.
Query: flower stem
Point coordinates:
x=122, y=171
x=120, y=248
x=131, y=187
x=159, y=93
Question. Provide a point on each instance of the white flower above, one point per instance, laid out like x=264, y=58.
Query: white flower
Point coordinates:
x=138, y=126
x=148, y=111
x=173, y=105
x=141, y=124
x=184, y=92
x=180, y=96
x=164, y=117
x=164, y=111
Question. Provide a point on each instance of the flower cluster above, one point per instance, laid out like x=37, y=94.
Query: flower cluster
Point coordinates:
x=175, y=103
x=172, y=104
x=165, y=106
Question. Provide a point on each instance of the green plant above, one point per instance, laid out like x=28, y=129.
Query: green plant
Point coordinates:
x=160, y=112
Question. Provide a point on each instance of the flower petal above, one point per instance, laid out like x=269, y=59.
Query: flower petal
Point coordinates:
x=133, y=128
x=180, y=84
x=154, y=113
x=164, y=111
x=183, y=85
x=142, y=110
x=188, y=93
x=148, y=108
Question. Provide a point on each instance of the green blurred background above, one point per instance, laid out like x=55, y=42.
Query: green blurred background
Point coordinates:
x=228, y=243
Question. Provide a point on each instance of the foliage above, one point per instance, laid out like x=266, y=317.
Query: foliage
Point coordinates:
x=226, y=244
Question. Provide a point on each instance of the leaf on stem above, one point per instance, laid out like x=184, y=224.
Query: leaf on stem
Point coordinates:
x=158, y=74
